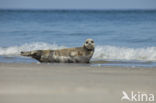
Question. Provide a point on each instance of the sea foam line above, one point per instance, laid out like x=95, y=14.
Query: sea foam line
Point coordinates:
x=122, y=53
x=101, y=52
x=15, y=50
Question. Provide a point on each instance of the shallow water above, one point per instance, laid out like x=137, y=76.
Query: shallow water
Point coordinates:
x=128, y=37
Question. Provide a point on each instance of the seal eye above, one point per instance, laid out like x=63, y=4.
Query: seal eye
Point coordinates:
x=92, y=41
x=86, y=42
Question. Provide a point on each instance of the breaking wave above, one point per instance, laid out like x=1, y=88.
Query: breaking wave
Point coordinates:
x=15, y=50
x=101, y=52
x=122, y=53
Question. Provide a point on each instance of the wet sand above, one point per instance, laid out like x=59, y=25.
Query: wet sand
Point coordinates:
x=72, y=83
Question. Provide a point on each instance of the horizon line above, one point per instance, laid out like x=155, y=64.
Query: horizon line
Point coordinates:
x=72, y=9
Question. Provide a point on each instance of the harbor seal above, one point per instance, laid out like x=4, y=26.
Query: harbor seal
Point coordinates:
x=68, y=55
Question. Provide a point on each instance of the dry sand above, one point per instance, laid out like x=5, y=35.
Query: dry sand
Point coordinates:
x=72, y=83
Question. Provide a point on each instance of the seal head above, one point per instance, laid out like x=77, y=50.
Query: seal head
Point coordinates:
x=89, y=44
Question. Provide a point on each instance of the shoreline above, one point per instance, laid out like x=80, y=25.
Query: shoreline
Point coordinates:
x=68, y=83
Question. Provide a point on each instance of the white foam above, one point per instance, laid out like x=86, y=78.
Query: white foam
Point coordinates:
x=15, y=50
x=121, y=53
x=101, y=52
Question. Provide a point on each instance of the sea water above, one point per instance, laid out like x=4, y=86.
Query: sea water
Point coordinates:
x=122, y=37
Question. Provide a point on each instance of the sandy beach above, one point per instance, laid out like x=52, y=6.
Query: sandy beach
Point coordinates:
x=72, y=83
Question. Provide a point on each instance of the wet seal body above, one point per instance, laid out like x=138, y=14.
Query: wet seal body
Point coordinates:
x=68, y=55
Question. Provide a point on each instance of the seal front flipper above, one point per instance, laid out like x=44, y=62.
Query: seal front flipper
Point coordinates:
x=34, y=54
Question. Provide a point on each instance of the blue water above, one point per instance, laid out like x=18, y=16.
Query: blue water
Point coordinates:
x=120, y=35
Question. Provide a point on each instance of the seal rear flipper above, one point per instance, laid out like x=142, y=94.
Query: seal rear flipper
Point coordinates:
x=34, y=54
x=26, y=53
